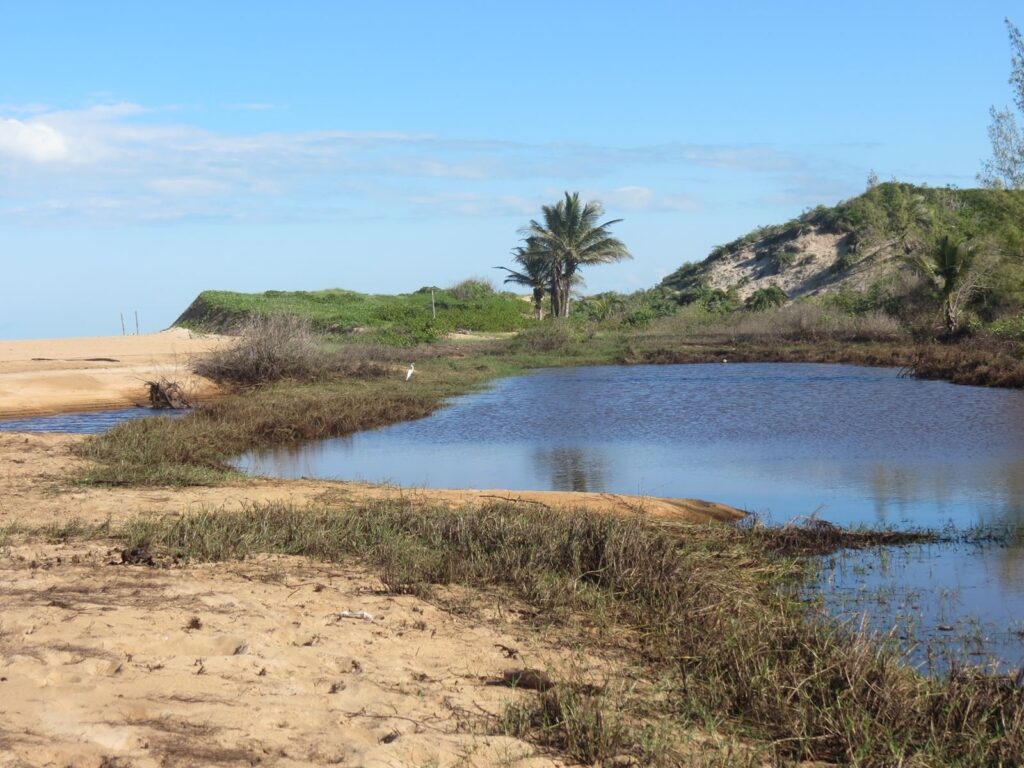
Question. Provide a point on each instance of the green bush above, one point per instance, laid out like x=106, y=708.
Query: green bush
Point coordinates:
x=766, y=298
x=1008, y=327
x=472, y=288
x=550, y=336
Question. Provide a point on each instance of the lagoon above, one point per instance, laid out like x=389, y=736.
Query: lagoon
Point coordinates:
x=854, y=445
x=848, y=444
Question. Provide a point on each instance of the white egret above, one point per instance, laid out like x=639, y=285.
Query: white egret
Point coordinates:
x=411, y=371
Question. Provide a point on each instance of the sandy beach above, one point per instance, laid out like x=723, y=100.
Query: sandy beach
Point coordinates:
x=43, y=376
x=247, y=664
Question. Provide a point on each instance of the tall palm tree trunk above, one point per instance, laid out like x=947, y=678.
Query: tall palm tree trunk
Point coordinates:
x=952, y=316
x=556, y=295
x=538, y=302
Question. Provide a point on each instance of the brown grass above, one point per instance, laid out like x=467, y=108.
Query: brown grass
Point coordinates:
x=194, y=449
x=977, y=360
x=279, y=347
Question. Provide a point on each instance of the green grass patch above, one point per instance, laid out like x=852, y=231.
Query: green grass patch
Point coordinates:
x=397, y=320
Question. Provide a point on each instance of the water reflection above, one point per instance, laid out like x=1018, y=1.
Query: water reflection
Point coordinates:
x=858, y=445
x=572, y=469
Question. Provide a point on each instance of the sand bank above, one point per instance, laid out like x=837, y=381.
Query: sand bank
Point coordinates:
x=247, y=664
x=43, y=376
x=35, y=490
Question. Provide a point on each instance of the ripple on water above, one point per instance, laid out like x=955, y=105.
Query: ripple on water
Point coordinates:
x=85, y=423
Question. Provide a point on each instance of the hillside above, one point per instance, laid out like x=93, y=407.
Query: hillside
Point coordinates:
x=863, y=247
x=400, y=319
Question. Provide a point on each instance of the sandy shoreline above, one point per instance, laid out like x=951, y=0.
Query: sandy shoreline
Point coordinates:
x=34, y=491
x=100, y=664
x=46, y=376
x=241, y=663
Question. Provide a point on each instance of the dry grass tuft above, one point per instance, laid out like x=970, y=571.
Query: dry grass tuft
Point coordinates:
x=282, y=347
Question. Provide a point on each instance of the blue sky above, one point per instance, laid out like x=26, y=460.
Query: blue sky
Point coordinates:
x=149, y=152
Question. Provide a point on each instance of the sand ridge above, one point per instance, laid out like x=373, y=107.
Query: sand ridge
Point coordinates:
x=36, y=471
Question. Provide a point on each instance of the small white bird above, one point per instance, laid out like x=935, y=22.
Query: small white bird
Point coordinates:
x=411, y=371
x=724, y=360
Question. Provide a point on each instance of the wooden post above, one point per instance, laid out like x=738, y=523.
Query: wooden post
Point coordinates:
x=122, y=325
x=136, y=322
x=433, y=308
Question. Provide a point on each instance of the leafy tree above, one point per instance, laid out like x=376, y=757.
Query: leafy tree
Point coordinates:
x=570, y=237
x=1006, y=166
x=956, y=272
x=766, y=298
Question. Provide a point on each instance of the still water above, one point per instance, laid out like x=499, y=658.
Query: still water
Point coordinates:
x=84, y=423
x=852, y=445
x=856, y=445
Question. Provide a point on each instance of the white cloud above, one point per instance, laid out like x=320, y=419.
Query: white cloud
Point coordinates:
x=31, y=108
x=637, y=198
x=31, y=140
x=630, y=197
x=681, y=203
x=147, y=163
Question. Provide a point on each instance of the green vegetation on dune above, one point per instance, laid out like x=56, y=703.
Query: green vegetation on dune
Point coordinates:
x=399, y=320
x=905, y=226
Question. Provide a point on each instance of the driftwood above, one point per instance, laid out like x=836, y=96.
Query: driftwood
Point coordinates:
x=167, y=394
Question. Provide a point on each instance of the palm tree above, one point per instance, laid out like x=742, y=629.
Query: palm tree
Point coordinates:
x=535, y=274
x=952, y=270
x=570, y=237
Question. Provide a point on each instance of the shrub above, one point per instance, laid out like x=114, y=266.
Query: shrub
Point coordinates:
x=1009, y=328
x=276, y=347
x=783, y=259
x=766, y=298
x=269, y=348
x=640, y=317
x=812, y=322
x=472, y=288
x=553, y=336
